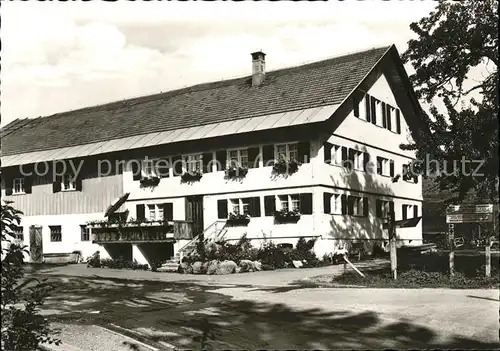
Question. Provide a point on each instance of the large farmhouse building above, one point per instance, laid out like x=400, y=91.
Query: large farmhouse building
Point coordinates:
x=308, y=151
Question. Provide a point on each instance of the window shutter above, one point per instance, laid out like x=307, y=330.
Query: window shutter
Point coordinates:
x=306, y=206
x=406, y=176
x=344, y=156
x=177, y=165
x=415, y=179
x=398, y=121
x=373, y=106
x=350, y=158
x=56, y=186
x=254, y=206
x=221, y=157
x=327, y=148
x=136, y=172
x=207, y=162
x=78, y=181
x=391, y=168
x=140, y=212
x=327, y=204
x=269, y=205
x=403, y=209
x=8, y=191
x=391, y=209
x=365, y=207
x=368, y=107
x=222, y=209
x=253, y=157
x=384, y=115
x=343, y=200
x=366, y=160
x=304, y=152
x=415, y=211
x=28, y=184
x=268, y=155
x=389, y=117
x=379, y=165
x=356, y=99
x=350, y=205
x=168, y=211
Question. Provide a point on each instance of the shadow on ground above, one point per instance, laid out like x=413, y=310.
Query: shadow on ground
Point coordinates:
x=187, y=316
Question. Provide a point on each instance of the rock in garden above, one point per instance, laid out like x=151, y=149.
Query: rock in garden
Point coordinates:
x=247, y=266
x=212, y=267
x=257, y=265
x=226, y=267
x=237, y=270
x=185, y=268
x=198, y=268
x=297, y=264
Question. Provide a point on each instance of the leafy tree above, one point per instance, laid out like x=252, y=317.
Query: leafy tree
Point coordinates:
x=455, y=38
x=23, y=328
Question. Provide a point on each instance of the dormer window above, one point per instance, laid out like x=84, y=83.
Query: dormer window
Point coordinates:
x=287, y=152
x=238, y=157
x=193, y=163
x=68, y=182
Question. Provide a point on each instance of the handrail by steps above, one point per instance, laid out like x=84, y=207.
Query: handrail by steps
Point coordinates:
x=215, y=231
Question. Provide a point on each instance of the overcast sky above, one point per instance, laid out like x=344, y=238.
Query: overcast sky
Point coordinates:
x=62, y=56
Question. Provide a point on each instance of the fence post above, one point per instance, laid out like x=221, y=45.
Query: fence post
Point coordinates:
x=451, y=238
x=487, y=252
x=392, y=243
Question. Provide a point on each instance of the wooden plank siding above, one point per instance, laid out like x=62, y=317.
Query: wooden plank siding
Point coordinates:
x=96, y=195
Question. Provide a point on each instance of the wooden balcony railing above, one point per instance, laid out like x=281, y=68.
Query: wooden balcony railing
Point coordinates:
x=152, y=232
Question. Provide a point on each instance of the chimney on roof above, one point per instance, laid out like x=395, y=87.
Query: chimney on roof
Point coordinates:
x=258, y=68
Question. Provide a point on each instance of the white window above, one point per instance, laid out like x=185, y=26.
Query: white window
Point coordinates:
x=55, y=233
x=19, y=233
x=336, y=204
x=245, y=206
x=193, y=163
x=409, y=211
x=235, y=206
x=358, y=160
x=295, y=202
x=283, y=202
x=383, y=166
x=18, y=186
x=383, y=211
x=84, y=233
x=152, y=212
x=336, y=155
x=238, y=157
x=68, y=182
x=156, y=212
x=287, y=152
x=357, y=204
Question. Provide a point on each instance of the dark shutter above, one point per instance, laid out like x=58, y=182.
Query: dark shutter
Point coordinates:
x=168, y=211
x=344, y=156
x=373, y=108
x=327, y=147
x=28, y=184
x=398, y=121
x=177, y=165
x=379, y=165
x=136, y=172
x=355, y=103
x=384, y=115
x=254, y=207
x=268, y=155
x=406, y=176
x=304, y=151
x=365, y=207
x=78, y=183
x=415, y=211
x=269, y=205
x=391, y=168
x=327, y=204
x=350, y=157
x=221, y=157
x=253, y=157
x=350, y=205
x=306, y=205
x=403, y=209
x=207, y=162
x=366, y=160
x=222, y=209
x=8, y=189
x=379, y=208
x=389, y=117
x=368, y=107
x=56, y=185
x=343, y=200
x=140, y=212
x=391, y=209
x=415, y=178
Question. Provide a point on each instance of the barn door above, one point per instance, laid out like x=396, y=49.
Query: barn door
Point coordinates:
x=194, y=213
x=36, y=249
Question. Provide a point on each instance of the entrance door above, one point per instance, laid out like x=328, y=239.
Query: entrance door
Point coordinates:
x=194, y=213
x=36, y=249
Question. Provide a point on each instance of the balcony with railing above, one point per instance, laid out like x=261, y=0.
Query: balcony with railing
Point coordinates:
x=143, y=232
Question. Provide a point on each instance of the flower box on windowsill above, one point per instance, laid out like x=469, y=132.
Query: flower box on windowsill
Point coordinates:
x=236, y=172
x=150, y=182
x=285, y=167
x=237, y=220
x=285, y=216
x=189, y=177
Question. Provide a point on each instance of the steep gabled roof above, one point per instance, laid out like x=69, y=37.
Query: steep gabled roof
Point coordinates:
x=317, y=84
